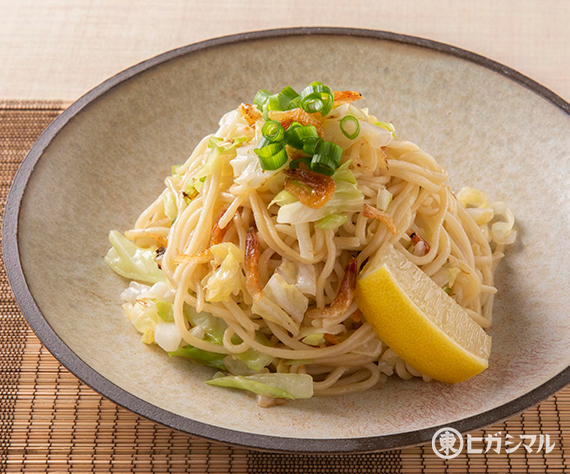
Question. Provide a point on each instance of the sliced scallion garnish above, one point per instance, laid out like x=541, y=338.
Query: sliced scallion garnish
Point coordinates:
x=297, y=162
x=261, y=97
x=317, y=98
x=273, y=131
x=350, y=127
x=272, y=156
x=310, y=145
x=286, y=97
x=327, y=158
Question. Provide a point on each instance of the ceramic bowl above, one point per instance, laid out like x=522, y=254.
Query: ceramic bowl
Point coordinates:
x=104, y=159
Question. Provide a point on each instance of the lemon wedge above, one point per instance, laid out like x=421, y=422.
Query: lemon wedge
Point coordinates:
x=419, y=321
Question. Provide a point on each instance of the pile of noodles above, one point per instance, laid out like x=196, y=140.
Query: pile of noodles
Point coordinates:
x=457, y=241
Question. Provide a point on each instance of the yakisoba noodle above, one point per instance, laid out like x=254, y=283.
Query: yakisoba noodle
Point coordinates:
x=220, y=228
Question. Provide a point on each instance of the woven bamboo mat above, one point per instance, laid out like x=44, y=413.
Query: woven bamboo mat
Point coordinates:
x=52, y=422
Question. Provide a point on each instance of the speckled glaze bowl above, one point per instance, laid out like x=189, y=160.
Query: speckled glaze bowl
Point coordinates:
x=104, y=159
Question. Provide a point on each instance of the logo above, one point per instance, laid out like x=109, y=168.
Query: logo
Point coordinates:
x=447, y=443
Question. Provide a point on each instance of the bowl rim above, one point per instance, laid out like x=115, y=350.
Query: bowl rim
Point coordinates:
x=120, y=396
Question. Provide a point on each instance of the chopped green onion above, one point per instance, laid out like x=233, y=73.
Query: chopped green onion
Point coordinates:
x=292, y=139
x=286, y=97
x=261, y=97
x=295, y=163
x=327, y=158
x=272, y=156
x=317, y=98
x=310, y=145
x=350, y=123
x=323, y=168
x=306, y=131
x=273, y=131
x=273, y=103
x=331, y=150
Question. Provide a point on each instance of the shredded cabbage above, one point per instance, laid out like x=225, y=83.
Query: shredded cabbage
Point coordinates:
x=236, y=366
x=306, y=279
x=254, y=360
x=166, y=335
x=302, y=275
x=210, y=359
x=213, y=327
x=332, y=221
x=502, y=231
x=292, y=386
x=445, y=277
x=383, y=199
x=471, y=197
x=164, y=310
x=143, y=319
x=347, y=198
x=170, y=207
x=282, y=198
x=131, y=261
x=287, y=296
x=226, y=279
x=271, y=311
x=314, y=339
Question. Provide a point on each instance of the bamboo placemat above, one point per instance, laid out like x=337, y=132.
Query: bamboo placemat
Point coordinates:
x=52, y=422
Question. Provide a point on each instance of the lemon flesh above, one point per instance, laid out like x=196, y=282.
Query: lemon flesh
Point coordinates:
x=421, y=323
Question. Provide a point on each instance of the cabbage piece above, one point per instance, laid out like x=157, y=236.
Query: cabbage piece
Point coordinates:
x=192, y=187
x=227, y=278
x=132, y=261
x=210, y=359
x=253, y=359
x=304, y=240
x=166, y=335
x=471, y=197
x=445, y=277
x=221, y=145
x=314, y=339
x=164, y=310
x=306, y=279
x=170, y=207
x=220, y=151
x=213, y=327
x=302, y=275
x=282, y=198
x=143, y=319
x=288, y=271
x=375, y=136
x=347, y=198
x=248, y=173
x=383, y=199
x=236, y=366
x=502, y=231
x=270, y=311
x=332, y=221
x=134, y=292
x=287, y=296
x=481, y=216
x=292, y=386
x=344, y=173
